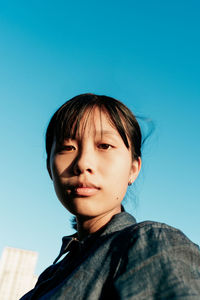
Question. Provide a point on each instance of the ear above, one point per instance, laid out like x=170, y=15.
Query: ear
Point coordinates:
x=135, y=170
x=48, y=169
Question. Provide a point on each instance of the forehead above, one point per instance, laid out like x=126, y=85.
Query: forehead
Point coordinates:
x=71, y=124
x=96, y=122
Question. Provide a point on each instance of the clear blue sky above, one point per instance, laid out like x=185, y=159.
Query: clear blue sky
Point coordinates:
x=145, y=53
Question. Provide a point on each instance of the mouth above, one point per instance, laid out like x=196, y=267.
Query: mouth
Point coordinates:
x=83, y=189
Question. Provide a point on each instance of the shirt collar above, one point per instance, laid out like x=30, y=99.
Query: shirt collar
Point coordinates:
x=117, y=222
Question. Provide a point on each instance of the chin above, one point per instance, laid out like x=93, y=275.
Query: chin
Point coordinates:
x=84, y=210
x=90, y=207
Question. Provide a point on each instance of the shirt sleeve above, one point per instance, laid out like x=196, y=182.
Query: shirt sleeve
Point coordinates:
x=160, y=263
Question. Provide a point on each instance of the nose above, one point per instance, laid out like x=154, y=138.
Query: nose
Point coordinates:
x=84, y=162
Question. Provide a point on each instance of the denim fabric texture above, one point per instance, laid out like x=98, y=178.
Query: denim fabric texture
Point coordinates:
x=124, y=260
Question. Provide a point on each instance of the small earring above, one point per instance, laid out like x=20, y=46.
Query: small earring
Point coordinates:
x=129, y=183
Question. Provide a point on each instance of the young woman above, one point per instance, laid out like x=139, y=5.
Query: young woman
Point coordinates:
x=93, y=146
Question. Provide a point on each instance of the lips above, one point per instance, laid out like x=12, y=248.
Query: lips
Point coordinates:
x=84, y=189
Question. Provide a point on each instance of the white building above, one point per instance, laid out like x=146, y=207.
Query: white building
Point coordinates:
x=16, y=273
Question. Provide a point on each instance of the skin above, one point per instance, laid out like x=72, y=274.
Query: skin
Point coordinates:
x=91, y=172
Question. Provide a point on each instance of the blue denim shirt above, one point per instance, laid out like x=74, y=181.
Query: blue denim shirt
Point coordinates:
x=124, y=260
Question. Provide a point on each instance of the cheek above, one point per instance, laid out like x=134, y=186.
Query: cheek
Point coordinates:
x=58, y=165
x=55, y=169
x=118, y=170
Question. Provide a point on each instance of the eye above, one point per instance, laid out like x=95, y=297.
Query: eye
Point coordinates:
x=66, y=148
x=69, y=148
x=104, y=146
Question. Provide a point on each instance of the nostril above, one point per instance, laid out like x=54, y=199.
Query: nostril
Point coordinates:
x=76, y=170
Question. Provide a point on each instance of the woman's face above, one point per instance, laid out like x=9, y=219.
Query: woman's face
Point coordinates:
x=91, y=172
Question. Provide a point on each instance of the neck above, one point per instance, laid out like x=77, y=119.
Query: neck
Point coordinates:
x=89, y=225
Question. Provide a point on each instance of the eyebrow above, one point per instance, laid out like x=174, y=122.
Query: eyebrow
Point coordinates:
x=111, y=134
x=102, y=133
x=106, y=132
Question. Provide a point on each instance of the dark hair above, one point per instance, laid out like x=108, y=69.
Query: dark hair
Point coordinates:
x=65, y=121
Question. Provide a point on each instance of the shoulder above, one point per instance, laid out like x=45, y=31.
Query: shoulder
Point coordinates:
x=155, y=232
x=150, y=238
x=158, y=259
